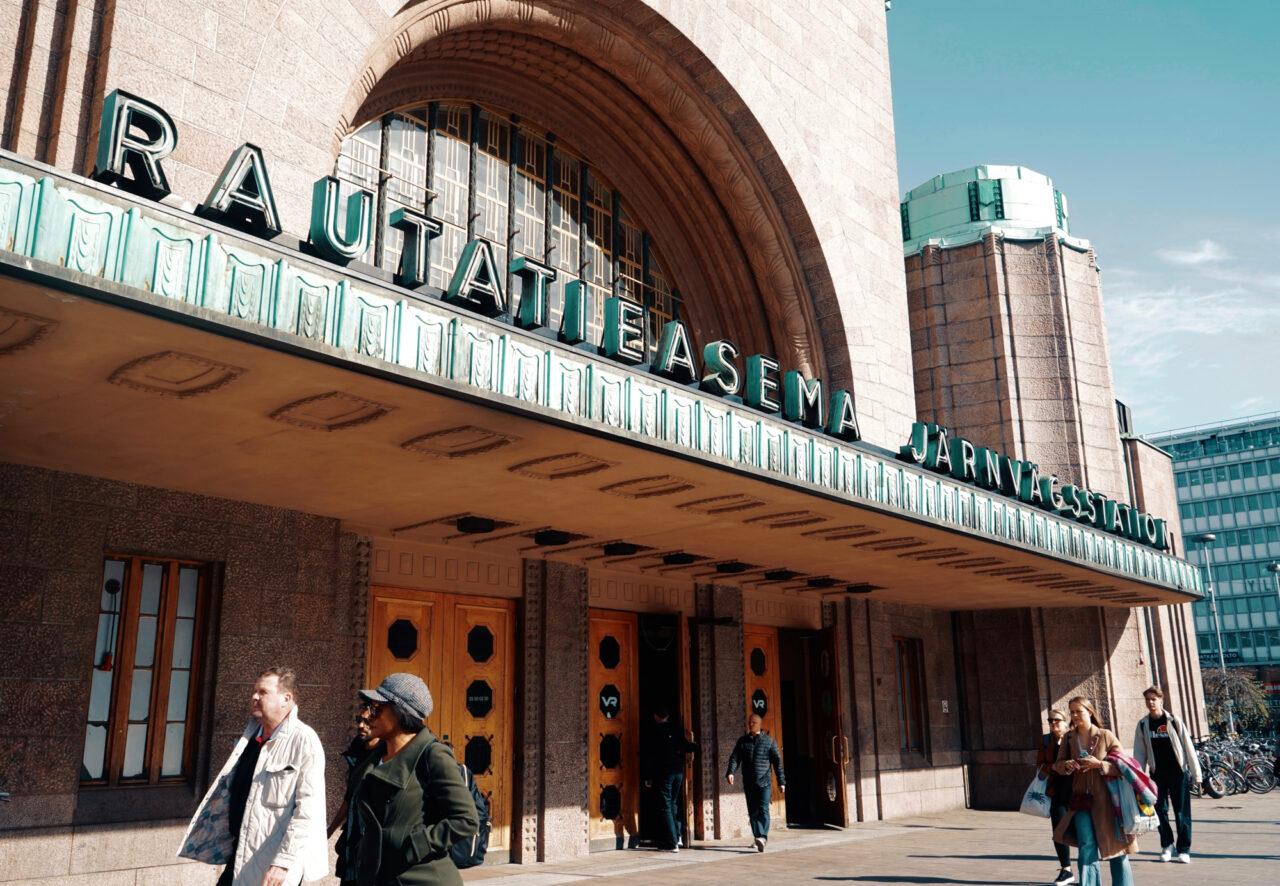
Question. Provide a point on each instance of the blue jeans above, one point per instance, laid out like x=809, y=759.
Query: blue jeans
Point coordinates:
x=1121, y=874
x=668, y=790
x=1173, y=788
x=758, y=808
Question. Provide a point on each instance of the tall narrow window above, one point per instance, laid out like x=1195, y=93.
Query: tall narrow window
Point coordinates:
x=912, y=727
x=145, y=662
x=484, y=174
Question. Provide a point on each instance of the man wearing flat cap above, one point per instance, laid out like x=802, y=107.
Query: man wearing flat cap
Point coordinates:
x=409, y=804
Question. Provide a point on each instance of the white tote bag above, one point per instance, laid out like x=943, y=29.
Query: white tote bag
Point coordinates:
x=1035, y=801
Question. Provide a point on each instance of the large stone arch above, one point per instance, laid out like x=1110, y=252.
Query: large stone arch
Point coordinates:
x=652, y=111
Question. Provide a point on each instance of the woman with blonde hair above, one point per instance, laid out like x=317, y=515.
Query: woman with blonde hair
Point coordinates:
x=1090, y=821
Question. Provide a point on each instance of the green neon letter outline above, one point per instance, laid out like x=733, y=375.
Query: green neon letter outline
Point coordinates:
x=349, y=244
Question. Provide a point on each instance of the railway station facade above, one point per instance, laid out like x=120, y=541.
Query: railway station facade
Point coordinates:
x=560, y=352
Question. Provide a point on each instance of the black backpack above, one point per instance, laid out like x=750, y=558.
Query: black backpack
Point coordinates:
x=469, y=853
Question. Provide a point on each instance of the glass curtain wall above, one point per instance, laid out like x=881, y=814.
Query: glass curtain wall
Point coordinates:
x=483, y=174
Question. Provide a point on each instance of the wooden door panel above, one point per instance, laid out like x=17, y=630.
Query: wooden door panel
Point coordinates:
x=483, y=714
x=613, y=723
x=764, y=693
x=403, y=639
x=431, y=635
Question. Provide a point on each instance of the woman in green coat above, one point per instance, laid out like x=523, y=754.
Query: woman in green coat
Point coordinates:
x=408, y=801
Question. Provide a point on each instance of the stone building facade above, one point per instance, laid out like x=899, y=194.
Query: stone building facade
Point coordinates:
x=226, y=447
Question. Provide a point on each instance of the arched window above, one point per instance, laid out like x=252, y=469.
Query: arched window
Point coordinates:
x=485, y=174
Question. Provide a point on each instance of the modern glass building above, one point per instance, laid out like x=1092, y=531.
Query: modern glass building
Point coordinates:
x=1228, y=481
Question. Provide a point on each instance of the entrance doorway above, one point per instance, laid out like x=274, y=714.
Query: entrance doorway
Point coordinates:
x=463, y=648
x=792, y=682
x=614, y=718
x=662, y=660
x=638, y=665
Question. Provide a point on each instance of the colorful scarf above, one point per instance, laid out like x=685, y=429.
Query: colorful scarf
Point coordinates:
x=1139, y=787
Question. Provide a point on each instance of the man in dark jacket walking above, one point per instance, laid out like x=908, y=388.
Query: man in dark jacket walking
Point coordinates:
x=755, y=753
x=662, y=759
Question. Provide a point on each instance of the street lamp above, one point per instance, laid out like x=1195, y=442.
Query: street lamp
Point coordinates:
x=1206, y=543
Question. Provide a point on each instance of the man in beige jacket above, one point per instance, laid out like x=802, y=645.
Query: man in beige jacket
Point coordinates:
x=263, y=816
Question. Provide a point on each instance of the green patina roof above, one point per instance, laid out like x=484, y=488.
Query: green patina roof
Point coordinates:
x=960, y=207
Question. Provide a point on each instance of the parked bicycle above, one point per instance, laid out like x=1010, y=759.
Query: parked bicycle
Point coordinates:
x=1234, y=767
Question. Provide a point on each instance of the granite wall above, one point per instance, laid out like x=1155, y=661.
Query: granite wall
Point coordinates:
x=285, y=590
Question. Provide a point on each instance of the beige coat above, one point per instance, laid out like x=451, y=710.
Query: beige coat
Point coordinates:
x=1101, y=743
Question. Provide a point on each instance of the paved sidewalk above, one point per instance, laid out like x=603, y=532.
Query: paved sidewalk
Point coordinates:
x=1236, y=842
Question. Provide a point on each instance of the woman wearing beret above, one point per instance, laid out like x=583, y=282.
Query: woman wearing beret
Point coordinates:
x=408, y=801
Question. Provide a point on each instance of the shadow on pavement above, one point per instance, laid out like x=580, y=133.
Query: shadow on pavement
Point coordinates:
x=1234, y=821
x=966, y=855
x=902, y=879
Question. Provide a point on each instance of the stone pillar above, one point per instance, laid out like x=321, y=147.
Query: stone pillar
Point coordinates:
x=861, y=713
x=719, y=710
x=554, y=780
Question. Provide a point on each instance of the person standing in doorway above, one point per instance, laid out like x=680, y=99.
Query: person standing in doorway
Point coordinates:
x=263, y=817
x=1162, y=745
x=756, y=753
x=662, y=759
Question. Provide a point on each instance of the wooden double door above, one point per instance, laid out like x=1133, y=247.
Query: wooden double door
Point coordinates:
x=638, y=664
x=815, y=682
x=463, y=648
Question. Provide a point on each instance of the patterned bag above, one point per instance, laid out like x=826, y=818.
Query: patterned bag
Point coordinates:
x=1035, y=801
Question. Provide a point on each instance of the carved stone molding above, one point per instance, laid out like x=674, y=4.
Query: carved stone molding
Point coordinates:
x=561, y=467
x=334, y=411
x=19, y=330
x=459, y=442
x=175, y=374
x=841, y=533
x=360, y=613
x=787, y=520
x=722, y=504
x=648, y=487
x=635, y=57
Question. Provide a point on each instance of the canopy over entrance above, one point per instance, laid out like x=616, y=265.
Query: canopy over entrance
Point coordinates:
x=144, y=345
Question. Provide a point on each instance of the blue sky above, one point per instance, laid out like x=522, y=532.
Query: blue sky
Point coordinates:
x=1160, y=121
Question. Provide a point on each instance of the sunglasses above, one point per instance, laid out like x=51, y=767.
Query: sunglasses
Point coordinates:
x=1057, y=720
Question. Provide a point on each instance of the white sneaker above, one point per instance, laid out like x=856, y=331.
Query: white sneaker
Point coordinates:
x=1166, y=853
x=759, y=844
x=1184, y=857
x=1064, y=878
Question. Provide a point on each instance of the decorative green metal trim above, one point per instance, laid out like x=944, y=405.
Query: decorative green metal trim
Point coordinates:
x=163, y=257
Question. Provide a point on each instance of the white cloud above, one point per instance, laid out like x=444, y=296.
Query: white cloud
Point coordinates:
x=1205, y=251
x=1176, y=348
x=1151, y=314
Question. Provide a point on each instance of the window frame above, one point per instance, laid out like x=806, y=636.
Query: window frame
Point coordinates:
x=913, y=719
x=124, y=666
x=594, y=240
